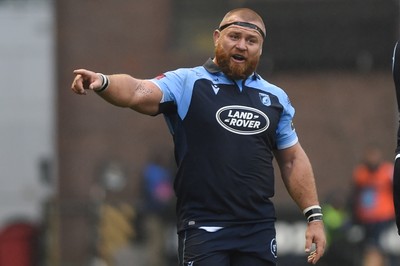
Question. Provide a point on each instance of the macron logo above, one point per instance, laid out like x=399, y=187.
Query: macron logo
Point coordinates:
x=215, y=88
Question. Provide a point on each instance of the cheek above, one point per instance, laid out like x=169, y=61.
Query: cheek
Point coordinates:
x=255, y=54
x=226, y=44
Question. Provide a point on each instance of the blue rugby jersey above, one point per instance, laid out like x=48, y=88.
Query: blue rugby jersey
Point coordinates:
x=224, y=132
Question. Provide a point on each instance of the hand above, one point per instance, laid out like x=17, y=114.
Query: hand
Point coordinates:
x=315, y=233
x=86, y=80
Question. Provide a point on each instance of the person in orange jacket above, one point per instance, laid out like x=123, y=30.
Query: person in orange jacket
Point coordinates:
x=373, y=202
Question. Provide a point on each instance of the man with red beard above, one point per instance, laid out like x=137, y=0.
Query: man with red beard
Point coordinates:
x=228, y=124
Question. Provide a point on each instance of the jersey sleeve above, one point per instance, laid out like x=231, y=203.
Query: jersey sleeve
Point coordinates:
x=171, y=84
x=286, y=133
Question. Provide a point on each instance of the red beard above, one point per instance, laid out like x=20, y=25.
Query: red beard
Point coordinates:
x=232, y=70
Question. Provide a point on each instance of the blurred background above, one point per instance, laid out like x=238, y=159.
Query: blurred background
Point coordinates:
x=87, y=183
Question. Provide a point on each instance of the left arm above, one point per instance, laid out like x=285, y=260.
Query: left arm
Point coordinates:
x=396, y=173
x=298, y=177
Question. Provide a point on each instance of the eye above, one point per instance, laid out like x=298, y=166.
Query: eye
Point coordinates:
x=234, y=36
x=252, y=40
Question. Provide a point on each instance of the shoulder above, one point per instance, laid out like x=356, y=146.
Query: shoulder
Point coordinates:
x=197, y=71
x=359, y=173
x=388, y=168
x=388, y=165
x=177, y=76
x=265, y=86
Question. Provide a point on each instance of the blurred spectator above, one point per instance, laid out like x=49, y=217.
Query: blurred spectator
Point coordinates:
x=159, y=207
x=373, y=202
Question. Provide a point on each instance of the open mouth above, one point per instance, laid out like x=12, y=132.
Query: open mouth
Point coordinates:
x=238, y=58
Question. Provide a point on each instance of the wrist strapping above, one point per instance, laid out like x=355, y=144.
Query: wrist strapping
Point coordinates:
x=104, y=84
x=313, y=213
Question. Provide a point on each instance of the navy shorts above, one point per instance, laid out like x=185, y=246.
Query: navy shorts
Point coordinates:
x=243, y=245
x=373, y=233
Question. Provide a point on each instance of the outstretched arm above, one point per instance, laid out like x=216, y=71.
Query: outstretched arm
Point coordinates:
x=396, y=173
x=123, y=90
x=298, y=177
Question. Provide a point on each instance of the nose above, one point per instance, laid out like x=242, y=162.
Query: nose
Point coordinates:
x=241, y=44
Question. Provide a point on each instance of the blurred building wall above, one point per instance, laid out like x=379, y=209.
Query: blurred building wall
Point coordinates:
x=27, y=108
x=110, y=37
x=339, y=109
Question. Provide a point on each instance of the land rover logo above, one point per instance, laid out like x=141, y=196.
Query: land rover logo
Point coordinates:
x=242, y=120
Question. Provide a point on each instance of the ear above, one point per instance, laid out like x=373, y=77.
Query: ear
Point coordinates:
x=216, y=36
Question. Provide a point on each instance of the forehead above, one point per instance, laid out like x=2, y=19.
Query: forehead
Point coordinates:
x=242, y=22
x=242, y=30
x=243, y=17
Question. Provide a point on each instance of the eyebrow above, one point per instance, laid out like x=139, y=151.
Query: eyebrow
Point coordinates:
x=243, y=24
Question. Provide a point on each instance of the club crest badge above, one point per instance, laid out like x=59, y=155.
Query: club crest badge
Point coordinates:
x=265, y=100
